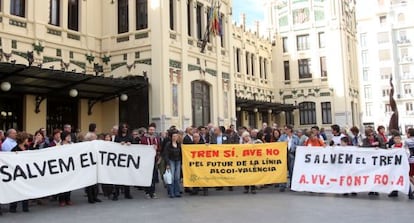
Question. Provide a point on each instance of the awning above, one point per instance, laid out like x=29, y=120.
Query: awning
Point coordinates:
x=263, y=106
x=46, y=82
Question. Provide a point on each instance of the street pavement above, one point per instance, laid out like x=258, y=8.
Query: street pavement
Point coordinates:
x=268, y=205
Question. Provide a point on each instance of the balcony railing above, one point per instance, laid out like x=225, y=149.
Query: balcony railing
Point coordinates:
x=407, y=76
x=406, y=59
x=403, y=41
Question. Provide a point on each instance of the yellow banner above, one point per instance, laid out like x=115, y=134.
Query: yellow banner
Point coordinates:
x=234, y=165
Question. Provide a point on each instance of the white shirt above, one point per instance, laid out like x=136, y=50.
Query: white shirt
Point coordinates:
x=290, y=140
x=337, y=139
x=8, y=144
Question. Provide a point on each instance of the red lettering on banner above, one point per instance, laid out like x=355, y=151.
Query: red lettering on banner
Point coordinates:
x=400, y=181
x=252, y=152
x=320, y=178
x=205, y=154
x=303, y=179
x=272, y=152
x=353, y=180
x=381, y=179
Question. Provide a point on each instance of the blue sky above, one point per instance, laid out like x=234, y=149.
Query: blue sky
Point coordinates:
x=252, y=8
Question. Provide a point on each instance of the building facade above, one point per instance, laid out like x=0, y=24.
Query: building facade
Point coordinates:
x=134, y=61
x=316, y=65
x=385, y=51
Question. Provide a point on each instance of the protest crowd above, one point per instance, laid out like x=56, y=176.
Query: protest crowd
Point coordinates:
x=169, y=155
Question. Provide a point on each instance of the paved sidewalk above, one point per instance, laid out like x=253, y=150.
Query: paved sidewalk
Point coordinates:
x=268, y=205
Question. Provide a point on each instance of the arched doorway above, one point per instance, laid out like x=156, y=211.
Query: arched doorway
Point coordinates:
x=200, y=97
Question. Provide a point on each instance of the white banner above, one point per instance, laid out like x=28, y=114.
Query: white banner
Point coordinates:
x=125, y=165
x=40, y=173
x=350, y=169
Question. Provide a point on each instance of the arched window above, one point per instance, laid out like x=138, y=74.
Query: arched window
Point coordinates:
x=307, y=113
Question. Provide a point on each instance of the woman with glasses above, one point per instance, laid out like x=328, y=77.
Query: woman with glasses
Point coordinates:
x=372, y=140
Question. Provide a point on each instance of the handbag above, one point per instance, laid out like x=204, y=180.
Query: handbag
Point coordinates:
x=167, y=177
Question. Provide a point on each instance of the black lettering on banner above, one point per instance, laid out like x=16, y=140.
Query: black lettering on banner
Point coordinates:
x=111, y=158
x=4, y=172
x=102, y=156
x=122, y=160
x=307, y=158
x=83, y=159
x=30, y=172
x=67, y=166
x=52, y=167
x=131, y=160
x=41, y=171
x=18, y=172
x=93, y=162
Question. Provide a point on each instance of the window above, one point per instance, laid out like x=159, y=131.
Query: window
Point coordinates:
x=238, y=60
x=172, y=14
x=385, y=76
x=260, y=67
x=383, y=19
x=326, y=113
x=199, y=13
x=364, y=57
x=54, y=16
x=304, y=71
x=368, y=92
x=265, y=68
x=123, y=21
x=388, y=108
x=142, y=14
x=222, y=37
x=368, y=109
x=247, y=63
x=385, y=73
x=73, y=15
x=321, y=36
x=287, y=71
x=290, y=119
x=409, y=106
x=405, y=69
x=208, y=14
x=404, y=52
x=385, y=92
x=285, y=44
x=302, y=42
x=307, y=113
x=18, y=8
x=384, y=55
x=407, y=89
x=403, y=35
x=252, y=61
x=189, y=13
x=365, y=74
x=383, y=37
x=363, y=40
x=324, y=72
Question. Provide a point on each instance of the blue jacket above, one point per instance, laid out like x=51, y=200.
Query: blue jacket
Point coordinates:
x=295, y=142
